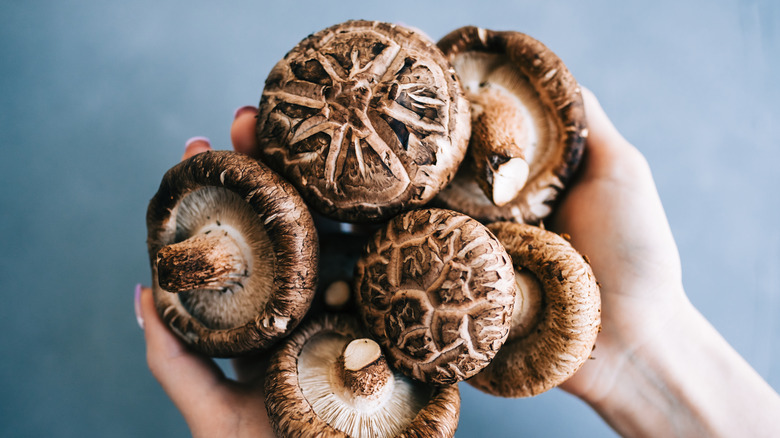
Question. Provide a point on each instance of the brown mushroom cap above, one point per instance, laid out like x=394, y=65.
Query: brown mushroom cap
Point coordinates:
x=366, y=119
x=436, y=289
x=550, y=344
x=309, y=395
x=527, y=114
x=213, y=213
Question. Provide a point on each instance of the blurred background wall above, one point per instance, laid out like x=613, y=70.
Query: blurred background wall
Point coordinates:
x=97, y=99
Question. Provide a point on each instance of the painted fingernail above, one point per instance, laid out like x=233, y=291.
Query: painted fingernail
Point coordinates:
x=137, y=305
x=245, y=109
x=196, y=139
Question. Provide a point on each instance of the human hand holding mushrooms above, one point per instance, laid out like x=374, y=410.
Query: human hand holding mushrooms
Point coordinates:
x=453, y=157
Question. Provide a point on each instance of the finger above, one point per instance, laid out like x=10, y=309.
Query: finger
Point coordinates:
x=242, y=132
x=601, y=131
x=193, y=382
x=196, y=145
x=608, y=154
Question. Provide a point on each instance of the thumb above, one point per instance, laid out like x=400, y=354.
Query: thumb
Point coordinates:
x=193, y=382
x=608, y=155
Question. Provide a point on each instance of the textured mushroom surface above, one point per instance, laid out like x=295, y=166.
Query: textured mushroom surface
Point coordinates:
x=365, y=119
x=557, y=319
x=528, y=124
x=308, y=394
x=238, y=246
x=436, y=289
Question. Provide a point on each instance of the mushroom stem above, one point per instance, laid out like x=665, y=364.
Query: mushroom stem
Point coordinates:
x=501, y=133
x=337, y=295
x=528, y=304
x=213, y=259
x=365, y=370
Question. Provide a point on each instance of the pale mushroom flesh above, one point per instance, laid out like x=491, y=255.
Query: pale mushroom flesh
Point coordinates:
x=385, y=413
x=328, y=380
x=504, y=99
x=211, y=211
x=528, y=126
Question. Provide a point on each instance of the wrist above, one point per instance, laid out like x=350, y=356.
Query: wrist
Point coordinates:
x=646, y=389
x=685, y=380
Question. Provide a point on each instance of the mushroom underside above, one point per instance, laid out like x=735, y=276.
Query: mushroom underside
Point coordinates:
x=311, y=393
x=212, y=211
x=547, y=348
x=335, y=404
x=528, y=126
x=234, y=253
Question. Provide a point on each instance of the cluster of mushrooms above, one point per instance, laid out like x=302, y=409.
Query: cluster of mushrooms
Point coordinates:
x=442, y=160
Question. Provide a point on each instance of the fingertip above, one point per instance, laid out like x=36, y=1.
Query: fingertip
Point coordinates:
x=188, y=378
x=246, y=109
x=593, y=110
x=196, y=145
x=601, y=130
x=137, y=305
x=160, y=343
x=242, y=131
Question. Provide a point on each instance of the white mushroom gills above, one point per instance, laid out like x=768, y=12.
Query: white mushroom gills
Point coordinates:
x=221, y=261
x=350, y=386
x=528, y=304
x=509, y=127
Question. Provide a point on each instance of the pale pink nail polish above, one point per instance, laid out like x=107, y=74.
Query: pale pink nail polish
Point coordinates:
x=245, y=109
x=137, y=305
x=194, y=139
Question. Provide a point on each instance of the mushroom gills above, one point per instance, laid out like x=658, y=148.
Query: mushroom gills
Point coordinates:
x=218, y=232
x=511, y=127
x=385, y=412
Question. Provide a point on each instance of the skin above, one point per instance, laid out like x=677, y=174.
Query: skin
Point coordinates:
x=659, y=368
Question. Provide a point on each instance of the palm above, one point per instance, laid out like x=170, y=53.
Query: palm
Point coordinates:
x=615, y=218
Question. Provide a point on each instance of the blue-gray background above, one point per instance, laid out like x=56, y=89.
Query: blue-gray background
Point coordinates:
x=97, y=99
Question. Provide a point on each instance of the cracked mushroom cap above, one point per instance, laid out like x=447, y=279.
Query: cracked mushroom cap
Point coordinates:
x=233, y=251
x=528, y=126
x=436, y=289
x=365, y=118
x=328, y=380
x=556, y=318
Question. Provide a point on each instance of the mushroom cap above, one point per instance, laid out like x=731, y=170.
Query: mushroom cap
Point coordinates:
x=317, y=345
x=202, y=190
x=365, y=118
x=436, y=289
x=531, y=73
x=564, y=335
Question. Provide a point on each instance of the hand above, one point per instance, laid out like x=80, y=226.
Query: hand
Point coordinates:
x=212, y=404
x=659, y=368
x=614, y=216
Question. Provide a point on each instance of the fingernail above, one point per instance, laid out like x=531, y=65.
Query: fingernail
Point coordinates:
x=245, y=109
x=194, y=139
x=137, y=306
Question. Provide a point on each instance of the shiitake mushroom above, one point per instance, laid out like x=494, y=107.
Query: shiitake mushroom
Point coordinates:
x=233, y=251
x=436, y=289
x=366, y=119
x=528, y=126
x=556, y=317
x=328, y=380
